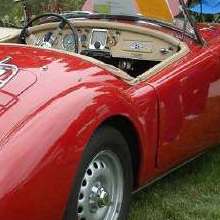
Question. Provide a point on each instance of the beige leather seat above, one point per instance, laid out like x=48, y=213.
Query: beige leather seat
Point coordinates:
x=8, y=33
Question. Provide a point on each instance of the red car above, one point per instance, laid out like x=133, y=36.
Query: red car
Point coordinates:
x=96, y=107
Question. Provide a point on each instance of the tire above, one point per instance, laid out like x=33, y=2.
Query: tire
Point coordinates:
x=106, y=155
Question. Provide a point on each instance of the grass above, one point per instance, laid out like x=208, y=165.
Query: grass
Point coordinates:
x=190, y=193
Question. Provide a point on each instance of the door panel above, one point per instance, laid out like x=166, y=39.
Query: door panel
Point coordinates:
x=189, y=103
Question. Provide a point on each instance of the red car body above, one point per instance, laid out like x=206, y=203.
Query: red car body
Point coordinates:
x=50, y=110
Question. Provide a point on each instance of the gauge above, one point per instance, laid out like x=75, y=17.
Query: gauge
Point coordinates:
x=69, y=42
x=98, y=39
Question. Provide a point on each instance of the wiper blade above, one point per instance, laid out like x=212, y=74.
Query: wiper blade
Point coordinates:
x=73, y=14
x=119, y=17
x=116, y=17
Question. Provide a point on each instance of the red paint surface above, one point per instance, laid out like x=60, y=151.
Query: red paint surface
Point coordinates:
x=47, y=117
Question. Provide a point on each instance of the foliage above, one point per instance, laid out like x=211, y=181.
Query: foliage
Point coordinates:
x=190, y=193
x=11, y=12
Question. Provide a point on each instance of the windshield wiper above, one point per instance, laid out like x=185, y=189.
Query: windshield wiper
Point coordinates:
x=74, y=14
x=116, y=17
x=90, y=15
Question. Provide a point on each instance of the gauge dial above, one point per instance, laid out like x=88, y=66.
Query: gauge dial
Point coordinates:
x=69, y=42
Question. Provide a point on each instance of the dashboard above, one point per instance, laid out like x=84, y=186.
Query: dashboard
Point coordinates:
x=110, y=42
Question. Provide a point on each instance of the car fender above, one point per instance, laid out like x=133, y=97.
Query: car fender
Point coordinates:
x=46, y=149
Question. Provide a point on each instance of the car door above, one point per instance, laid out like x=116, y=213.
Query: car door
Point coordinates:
x=189, y=106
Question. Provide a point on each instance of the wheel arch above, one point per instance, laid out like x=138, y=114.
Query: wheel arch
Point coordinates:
x=128, y=130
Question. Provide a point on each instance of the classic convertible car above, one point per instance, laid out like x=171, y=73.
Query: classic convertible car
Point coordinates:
x=97, y=106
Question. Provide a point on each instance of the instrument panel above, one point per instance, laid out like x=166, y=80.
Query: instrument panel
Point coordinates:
x=68, y=42
x=115, y=43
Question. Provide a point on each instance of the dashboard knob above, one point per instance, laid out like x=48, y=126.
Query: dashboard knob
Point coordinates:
x=97, y=45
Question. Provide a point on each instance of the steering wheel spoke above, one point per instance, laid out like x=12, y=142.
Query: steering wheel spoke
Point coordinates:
x=51, y=38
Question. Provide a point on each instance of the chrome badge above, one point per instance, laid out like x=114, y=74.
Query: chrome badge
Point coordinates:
x=136, y=46
x=7, y=73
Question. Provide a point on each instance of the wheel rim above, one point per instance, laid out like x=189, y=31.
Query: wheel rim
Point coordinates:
x=101, y=191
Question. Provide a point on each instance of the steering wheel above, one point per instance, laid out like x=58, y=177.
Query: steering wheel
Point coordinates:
x=50, y=37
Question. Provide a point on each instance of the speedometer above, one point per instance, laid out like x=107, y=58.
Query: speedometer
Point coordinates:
x=69, y=42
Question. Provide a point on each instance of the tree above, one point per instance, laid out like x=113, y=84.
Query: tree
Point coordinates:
x=12, y=12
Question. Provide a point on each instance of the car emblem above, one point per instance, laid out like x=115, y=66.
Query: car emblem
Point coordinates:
x=7, y=73
x=136, y=46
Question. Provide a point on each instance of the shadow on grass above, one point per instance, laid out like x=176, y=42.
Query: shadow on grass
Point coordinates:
x=192, y=192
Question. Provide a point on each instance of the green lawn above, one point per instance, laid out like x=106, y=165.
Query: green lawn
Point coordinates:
x=190, y=193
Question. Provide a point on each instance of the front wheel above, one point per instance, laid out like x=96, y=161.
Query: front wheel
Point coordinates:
x=103, y=185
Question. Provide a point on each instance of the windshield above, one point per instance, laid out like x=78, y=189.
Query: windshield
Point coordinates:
x=169, y=11
x=205, y=10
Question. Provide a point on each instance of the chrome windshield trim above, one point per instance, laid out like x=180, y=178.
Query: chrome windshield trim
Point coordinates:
x=6, y=60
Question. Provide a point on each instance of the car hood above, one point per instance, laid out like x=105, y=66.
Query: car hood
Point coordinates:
x=43, y=76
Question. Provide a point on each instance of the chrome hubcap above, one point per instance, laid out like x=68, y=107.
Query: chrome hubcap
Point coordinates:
x=101, y=191
x=99, y=197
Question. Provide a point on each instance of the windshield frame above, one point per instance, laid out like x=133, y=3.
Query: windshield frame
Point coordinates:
x=193, y=23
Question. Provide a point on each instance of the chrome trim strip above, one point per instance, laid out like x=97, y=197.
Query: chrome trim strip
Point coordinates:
x=6, y=59
x=3, y=68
